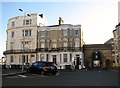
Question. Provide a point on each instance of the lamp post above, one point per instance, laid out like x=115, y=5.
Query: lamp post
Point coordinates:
x=23, y=42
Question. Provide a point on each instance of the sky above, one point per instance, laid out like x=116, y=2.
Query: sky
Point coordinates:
x=98, y=18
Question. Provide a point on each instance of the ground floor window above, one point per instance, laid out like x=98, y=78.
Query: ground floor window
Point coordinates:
x=54, y=58
x=65, y=57
x=41, y=57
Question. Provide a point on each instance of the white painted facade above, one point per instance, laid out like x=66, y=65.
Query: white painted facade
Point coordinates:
x=22, y=35
x=59, y=56
x=22, y=42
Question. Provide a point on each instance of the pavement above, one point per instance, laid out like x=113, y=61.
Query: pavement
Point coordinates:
x=11, y=72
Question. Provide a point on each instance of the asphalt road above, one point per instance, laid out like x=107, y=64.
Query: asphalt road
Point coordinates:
x=77, y=78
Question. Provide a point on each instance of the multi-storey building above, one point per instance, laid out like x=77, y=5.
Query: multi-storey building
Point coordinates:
x=61, y=44
x=30, y=40
x=111, y=41
x=116, y=34
x=21, y=39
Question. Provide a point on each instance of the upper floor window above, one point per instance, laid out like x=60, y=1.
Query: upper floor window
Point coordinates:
x=65, y=44
x=70, y=32
x=27, y=22
x=77, y=32
x=11, y=45
x=65, y=32
x=47, y=33
x=26, y=32
x=12, y=34
x=42, y=33
x=13, y=24
x=77, y=44
x=70, y=42
x=42, y=45
x=54, y=45
x=47, y=44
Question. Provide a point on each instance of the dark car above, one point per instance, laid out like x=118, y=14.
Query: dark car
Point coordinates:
x=42, y=68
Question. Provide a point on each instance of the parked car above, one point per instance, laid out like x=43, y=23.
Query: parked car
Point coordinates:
x=42, y=68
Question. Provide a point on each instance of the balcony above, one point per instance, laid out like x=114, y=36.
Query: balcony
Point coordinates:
x=60, y=49
x=19, y=51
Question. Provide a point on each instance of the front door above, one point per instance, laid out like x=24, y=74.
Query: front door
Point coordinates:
x=54, y=59
x=77, y=62
x=107, y=63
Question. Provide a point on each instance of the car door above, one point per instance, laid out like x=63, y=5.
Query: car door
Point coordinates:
x=34, y=67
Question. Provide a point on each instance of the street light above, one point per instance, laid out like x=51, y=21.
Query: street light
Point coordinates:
x=23, y=57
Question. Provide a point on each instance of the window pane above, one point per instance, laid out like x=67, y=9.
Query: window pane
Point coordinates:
x=65, y=57
x=26, y=32
x=47, y=44
x=47, y=33
x=64, y=44
x=77, y=44
x=27, y=22
x=29, y=32
x=30, y=21
x=76, y=32
x=22, y=32
x=42, y=33
x=65, y=32
x=70, y=32
x=13, y=24
x=54, y=44
x=42, y=45
x=12, y=34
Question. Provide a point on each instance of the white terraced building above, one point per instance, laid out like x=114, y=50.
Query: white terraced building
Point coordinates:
x=30, y=40
x=21, y=39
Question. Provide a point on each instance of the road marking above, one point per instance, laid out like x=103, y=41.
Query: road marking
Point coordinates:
x=22, y=76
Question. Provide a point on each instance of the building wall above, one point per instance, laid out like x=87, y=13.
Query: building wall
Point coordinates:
x=32, y=50
x=60, y=58
x=116, y=34
x=56, y=39
x=105, y=51
x=22, y=38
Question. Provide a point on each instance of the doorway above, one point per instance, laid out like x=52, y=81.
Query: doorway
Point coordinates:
x=54, y=59
x=107, y=62
x=78, y=62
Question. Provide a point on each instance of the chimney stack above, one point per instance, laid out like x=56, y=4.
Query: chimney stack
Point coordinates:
x=61, y=21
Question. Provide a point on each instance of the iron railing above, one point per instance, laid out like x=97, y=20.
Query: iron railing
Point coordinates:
x=60, y=49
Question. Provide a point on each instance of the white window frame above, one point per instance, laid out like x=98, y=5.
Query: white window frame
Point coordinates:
x=77, y=33
x=65, y=32
x=65, y=59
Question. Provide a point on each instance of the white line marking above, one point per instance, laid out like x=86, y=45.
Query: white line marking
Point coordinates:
x=22, y=76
